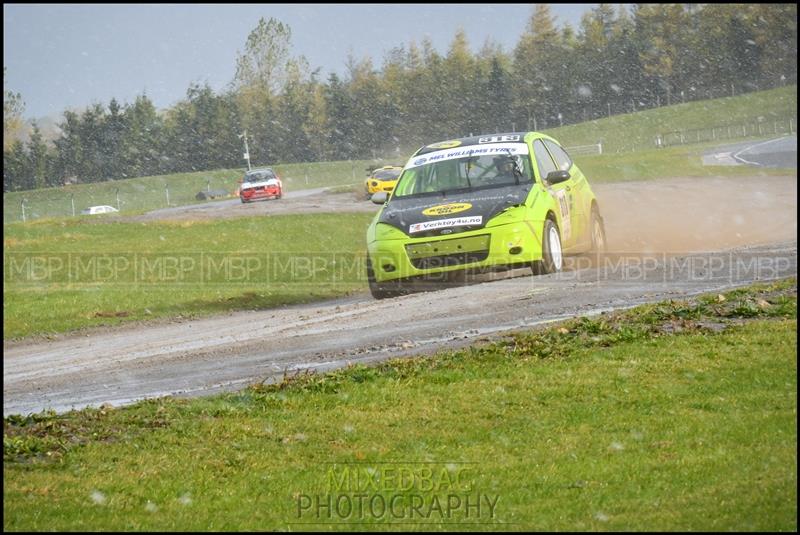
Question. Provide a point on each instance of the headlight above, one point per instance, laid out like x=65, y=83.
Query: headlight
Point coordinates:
x=509, y=215
x=388, y=232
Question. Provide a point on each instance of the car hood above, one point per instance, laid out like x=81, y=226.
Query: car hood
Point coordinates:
x=452, y=212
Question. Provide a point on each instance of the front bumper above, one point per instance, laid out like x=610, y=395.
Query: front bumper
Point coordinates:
x=249, y=195
x=483, y=249
x=381, y=186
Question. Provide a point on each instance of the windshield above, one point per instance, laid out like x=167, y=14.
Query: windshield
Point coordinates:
x=258, y=176
x=387, y=174
x=469, y=167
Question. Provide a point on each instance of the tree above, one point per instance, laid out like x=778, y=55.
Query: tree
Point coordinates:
x=39, y=160
x=499, y=99
x=16, y=175
x=660, y=29
x=263, y=62
x=13, y=108
x=69, y=147
x=143, y=144
x=536, y=61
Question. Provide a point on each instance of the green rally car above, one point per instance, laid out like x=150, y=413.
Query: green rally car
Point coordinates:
x=489, y=202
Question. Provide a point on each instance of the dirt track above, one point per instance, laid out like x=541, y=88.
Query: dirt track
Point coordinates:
x=659, y=223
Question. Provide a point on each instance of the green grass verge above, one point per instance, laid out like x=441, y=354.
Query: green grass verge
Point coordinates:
x=70, y=274
x=655, y=164
x=636, y=131
x=672, y=416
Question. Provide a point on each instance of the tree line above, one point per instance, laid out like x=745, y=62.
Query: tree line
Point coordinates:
x=617, y=61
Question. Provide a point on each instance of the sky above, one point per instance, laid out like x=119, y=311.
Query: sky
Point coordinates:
x=68, y=56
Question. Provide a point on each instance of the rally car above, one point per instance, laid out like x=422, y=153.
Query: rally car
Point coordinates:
x=382, y=179
x=260, y=184
x=480, y=203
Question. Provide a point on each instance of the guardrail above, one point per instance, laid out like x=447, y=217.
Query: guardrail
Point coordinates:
x=751, y=128
x=578, y=150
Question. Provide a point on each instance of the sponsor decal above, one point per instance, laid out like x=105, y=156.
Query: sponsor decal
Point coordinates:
x=497, y=139
x=447, y=209
x=566, y=224
x=445, y=144
x=470, y=150
x=444, y=223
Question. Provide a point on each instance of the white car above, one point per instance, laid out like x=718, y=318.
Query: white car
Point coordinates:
x=93, y=210
x=261, y=184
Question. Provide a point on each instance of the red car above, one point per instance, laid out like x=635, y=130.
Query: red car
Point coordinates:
x=260, y=184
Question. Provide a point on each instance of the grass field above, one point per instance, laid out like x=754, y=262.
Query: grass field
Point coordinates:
x=68, y=274
x=642, y=420
x=149, y=193
x=653, y=164
x=636, y=131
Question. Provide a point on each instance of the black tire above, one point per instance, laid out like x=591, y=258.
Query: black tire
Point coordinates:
x=597, y=230
x=242, y=199
x=456, y=278
x=381, y=290
x=548, y=263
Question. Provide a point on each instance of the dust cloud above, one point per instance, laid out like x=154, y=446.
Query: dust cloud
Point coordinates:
x=698, y=214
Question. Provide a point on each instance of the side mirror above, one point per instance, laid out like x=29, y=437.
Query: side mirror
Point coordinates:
x=379, y=197
x=556, y=177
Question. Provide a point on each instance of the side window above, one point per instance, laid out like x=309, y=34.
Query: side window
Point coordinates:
x=561, y=157
x=543, y=160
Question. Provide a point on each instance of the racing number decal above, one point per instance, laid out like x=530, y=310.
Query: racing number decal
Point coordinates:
x=563, y=202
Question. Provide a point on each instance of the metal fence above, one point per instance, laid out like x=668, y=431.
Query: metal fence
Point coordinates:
x=755, y=127
x=578, y=150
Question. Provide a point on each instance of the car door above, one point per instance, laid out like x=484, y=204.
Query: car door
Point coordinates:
x=578, y=189
x=563, y=193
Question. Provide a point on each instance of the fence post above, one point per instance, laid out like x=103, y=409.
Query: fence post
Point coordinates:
x=599, y=147
x=166, y=189
x=23, y=210
x=72, y=200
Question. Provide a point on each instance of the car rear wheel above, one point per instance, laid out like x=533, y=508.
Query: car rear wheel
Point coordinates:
x=598, y=230
x=552, y=258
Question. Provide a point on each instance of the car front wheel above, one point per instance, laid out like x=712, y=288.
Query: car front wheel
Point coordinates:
x=552, y=258
x=381, y=290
